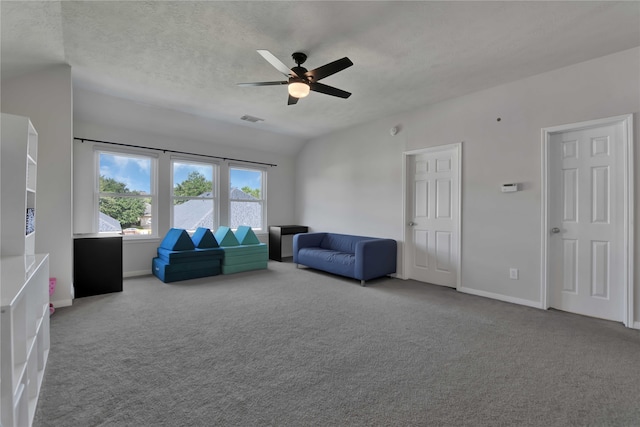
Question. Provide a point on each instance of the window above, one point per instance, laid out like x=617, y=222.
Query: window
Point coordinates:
x=247, y=197
x=194, y=195
x=126, y=193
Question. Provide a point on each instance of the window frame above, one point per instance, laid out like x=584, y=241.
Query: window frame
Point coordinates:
x=263, y=193
x=153, y=190
x=215, y=187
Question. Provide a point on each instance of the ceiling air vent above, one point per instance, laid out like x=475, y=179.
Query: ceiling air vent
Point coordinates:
x=251, y=119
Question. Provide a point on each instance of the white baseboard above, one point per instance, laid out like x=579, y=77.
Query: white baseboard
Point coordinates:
x=136, y=273
x=636, y=325
x=505, y=298
x=62, y=303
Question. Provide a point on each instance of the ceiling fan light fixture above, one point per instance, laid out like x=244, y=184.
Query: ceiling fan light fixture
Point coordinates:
x=299, y=89
x=301, y=81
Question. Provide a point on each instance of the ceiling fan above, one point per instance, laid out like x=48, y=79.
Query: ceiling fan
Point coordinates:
x=300, y=80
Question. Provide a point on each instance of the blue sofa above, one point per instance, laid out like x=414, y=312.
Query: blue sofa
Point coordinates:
x=358, y=257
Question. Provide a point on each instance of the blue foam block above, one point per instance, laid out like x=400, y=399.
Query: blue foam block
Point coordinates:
x=203, y=239
x=177, y=239
x=171, y=257
x=168, y=273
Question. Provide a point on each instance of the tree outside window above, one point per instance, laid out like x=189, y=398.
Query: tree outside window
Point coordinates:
x=125, y=193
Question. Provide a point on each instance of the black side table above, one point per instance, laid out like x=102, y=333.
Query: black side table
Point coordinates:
x=275, y=238
x=97, y=264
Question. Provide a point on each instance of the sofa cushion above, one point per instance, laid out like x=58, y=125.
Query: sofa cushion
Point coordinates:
x=340, y=242
x=328, y=260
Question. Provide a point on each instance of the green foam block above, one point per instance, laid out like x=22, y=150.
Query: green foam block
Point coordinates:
x=239, y=260
x=246, y=250
x=225, y=236
x=246, y=236
x=230, y=269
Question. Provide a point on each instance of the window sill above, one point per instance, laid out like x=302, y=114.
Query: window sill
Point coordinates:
x=150, y=239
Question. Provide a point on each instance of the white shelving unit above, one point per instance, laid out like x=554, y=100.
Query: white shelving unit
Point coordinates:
x=24, y=294
x=19, y=164
x=25, y=335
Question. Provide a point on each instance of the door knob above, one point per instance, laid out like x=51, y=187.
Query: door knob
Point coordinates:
x=411, y=224
x=555, y=230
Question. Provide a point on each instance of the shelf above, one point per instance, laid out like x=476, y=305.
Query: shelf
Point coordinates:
x=18, y=397
x=33, y=402
x=31, y=341
x=19, y=370
x=42, y=361
x=24, y=294
x=18, y=158
x=40, y=319
x=20, y=407
x=17, y=271
x=25, y=335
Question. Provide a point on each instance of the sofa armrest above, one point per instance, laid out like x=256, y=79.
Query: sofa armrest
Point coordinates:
x=375, y=258
x=305, y=240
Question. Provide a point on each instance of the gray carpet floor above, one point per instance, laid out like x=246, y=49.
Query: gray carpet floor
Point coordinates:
x=297, y=347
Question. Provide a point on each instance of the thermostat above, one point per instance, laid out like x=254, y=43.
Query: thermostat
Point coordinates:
x=509, y=188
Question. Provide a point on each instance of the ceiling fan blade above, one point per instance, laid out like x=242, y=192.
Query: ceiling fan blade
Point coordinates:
x=329, y=90
x=263, y=84
x=329, y=69
x=292, y=100
x=276, y=63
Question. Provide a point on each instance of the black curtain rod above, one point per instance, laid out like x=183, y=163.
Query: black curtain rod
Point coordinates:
x=164, y=150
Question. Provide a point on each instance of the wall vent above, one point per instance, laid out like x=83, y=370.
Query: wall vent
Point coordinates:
x=251, y=119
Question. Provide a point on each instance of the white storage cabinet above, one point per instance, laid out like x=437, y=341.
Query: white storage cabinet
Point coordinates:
x=24, y=290
x=25, y=335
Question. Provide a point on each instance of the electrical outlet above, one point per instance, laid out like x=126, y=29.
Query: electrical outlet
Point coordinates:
x=513, y=273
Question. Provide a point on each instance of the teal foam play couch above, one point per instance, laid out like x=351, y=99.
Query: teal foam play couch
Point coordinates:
x=181, y=257
x=242, y=250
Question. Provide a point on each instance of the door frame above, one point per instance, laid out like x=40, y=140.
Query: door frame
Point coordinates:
x=407, y=155
x=628, y=207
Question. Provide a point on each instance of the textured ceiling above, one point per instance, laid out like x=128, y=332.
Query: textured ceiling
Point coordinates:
x=188, y=56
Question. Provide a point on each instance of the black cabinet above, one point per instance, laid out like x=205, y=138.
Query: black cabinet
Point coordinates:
x=275, y=238
x=97, y=264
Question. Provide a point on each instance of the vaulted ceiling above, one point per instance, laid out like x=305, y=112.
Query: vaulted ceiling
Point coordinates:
x=189, y=56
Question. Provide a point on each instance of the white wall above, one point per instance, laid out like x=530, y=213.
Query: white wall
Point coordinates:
x=46, y=97
x=138, y=254
x=351, y=181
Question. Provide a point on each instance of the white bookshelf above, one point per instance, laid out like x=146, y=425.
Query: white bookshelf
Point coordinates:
x=24, y=332
x=24, y=294
x=19, y=158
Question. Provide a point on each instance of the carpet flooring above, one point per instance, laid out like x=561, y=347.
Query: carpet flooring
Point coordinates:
x=297, y=347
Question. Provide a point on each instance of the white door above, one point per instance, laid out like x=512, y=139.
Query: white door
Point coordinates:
x=586, y=217
x=433, y=216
